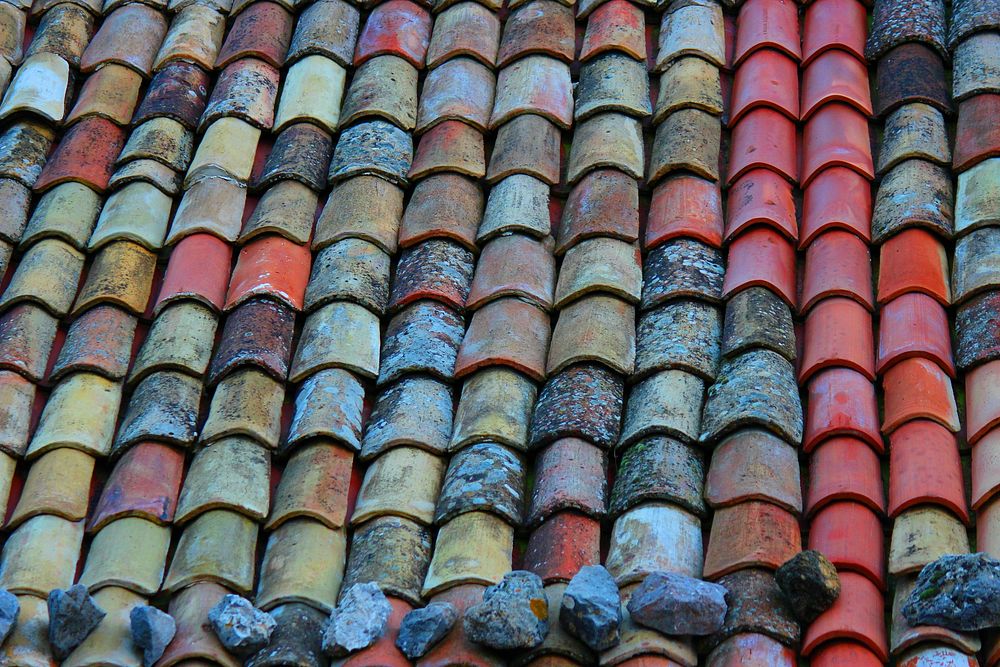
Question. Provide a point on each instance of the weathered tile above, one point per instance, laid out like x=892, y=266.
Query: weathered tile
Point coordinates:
x=916, y=325
x=604, y=203
x=164, y=406
x=178, y=91
x=756, y=606
x=978, y=201
x=301, y=152
x=654, y=537
x=918, y=388
x=147, y=171
x=85, y=154
x=968, y=17
x=216, y=547
x=684, y=205
x=975, y=331
x=528, y=144
x=495, y=406
x=40, y=87
x=352, y=270
x=129, y=36
x=754, y=465
x=570, y=474
x=145, y=482
x=976, y=138
x=287, y=208
x=681, y=334
x=755, y=317
x=27, y=334
x=534, y=85
x=842, y=402
x=397, y=27
x=121, y=274
x=518, y=203
x=57, y=483
x=668, y=403
x=212, y=483
x=195, y=639
x=691, y=28
x=414, y=412
x=23, y=569
x=559, y=547
x=659, y=469
x=383, y=87
x=595, y=328
x=81, y=413
x=63, y=30
x=464, y=29
x=263, y=30
x=195, y=35
x=28, y=640
x=914, y=21
x=247, y=403
x=423, y=337
x=606, y=140
x=455, y=563
x=541, y=26
x=835, y=76
x=768, y=79
x=23, y=150
x=365, y=207
x=15, y=201
x=198, y=270
x=615, y=25
x=308, y=81
x=443, y=205
x=975, y=264
x=845, y=468
x=258, y=332
x=450, y=146
x=303, y=562
x=405, y=482
x=111, y=92
x=460, y=89
x=314, y=484
x=743, y=647
x=688, y=140
x=224, y=151
x=467, y=487
x=514, y=265
x=66, y=212
x=751, y=534
x=328, y=28
x=493, y=340
x=162, y=139
x=139, y=213
x=17, y=395
x=903, y=635
x=910, y=72
x=375, y=148
x=688, y=83
x=356, y=332
x=921, y=536
x=682, y=268
x=834, y=24
x=644, y=646
x=246, y=89
x=436, y=269
x=270, y=266
x=394, y=553
x=975, y=70
x=130, y=553
x=914, y=131
x=581, y=401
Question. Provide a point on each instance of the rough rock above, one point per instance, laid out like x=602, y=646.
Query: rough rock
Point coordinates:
x=959, y=592
x=675, y=604
x=358, y=621
x=9, y=609
x=809, y=583
x=423, y=628
x=591, y=608
x=73, y=615
x=514, y=614
x=152, y=630
x=242, y=628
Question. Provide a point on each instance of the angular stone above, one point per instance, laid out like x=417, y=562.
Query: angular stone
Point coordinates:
x=678, y=605
x=73, y=615
x=414, y=412
x=297, y=637
x=483, y=477
x=956, y=592
x=422, y=628
x=152, y=630
x=591, y=608
x=9, y=610
x=358, y=621
x=809, y=583
x=514, y=613
x=240, y=627
x=659, y=469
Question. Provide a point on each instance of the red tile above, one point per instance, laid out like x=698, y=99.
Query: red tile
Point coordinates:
x=834, y=24
x=767, y=24
x=751, y=534
x=753, y=464
x=747, y=649
x=178, y=91
x=982, y=400
x=924, y=467
x=841, y=402
x=546, y=28
x=685, y=206
x=843, y=654
x=761, y=257
x=914, y=325
x=851, y=536
x=766, y=79
x=763, y=138
x=918, y=389
x=384, y=652
x=977, y=136
x=837, y=198
x=198, y=269
x=397, y=27
x=455, y=648
x=985, y=469
x=145, y=482
x=514, y=265
x=194, y=638
x=913, y=261
x=836, y=135
x=562, y=544
x=838, y=333
x=506, y=332
x=86, y=154
x=835, y=76
x=856, y=615
x=837, y=264
x=605, y=202
x=262, y=30
x=618, y=25
x=761, y=197
x=845, y=469
x=130, y=35
x=270, y=266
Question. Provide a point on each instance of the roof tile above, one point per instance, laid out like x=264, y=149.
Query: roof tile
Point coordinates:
x=111, y=92
x=514, y=265
x=495, y=406
x=682, y=268
x=838, y=528
x=616, y=25
x=139, y=212
x=604, y=203
x=913, y=261
x=915, y=193
x=970, y=16
x=24, y=147
x=194, y=639
x=686, y=140
x=750, y=534
x=223, y=152
x=975, y=70
x=755, y=606
x=397, y=27
x=668, y=403
x=17, y=395
x=600, y=265
x=975, y=331
x=561, y=545
x=975, y=264
x=198, y=269
x=914, y=131
x=270, y=266
x=121, y=274
x=138, y=569
x=162, y=139
x=834, y=24
x=163, y=407
x=747, y=646
x=976, y=137
x=246, y=403
x=976, y=201
x=416, y=412
x=910, y=72
x=771, y=24
x=301, y=152
x=835, y=76
x=443, y=205
x=845, y=468
x=857, y=614
x=528, y=144
x=47, y=275
x=761, y=196
x=594, y=328
x=606, y=140
x=85, y=154
x=761, y=257
x=680, y=334
x=538, y=27
x=926, y=469
x=450, y=146
x=836, y=136
x=452, y=563
x=403, y=481
x=685, y=205
x=145, y=482
x=303, y=563
x=287, y=208
x=351, y=270
x=365, y=207
x=436, y=269
x=903, y=636
x=314, y=484
x=842, y=402
x=209, y=484
x=570, y=474
x=534, y=85
x=691, y=28
x=466, y=489
x=837, y=264
x=178, y=91
x=689, y=82
x=465, y=29
x=373, y=148
x=918, y=388
x=383, y=87
x=894, y=23
x=328, y=28
x=40, y=87
x=27, y=335
x=353, y=331
x=195, y=35
x=756, y=317
x=58, y=483
x=258, y=332
x=767, y=79
x=311, y=79
x=612, y=82
x=15, y=200
x=654, y=537
x=915, y=325
x=493, y=338
x=129, y=36
x=581, y=401
x=64, y=30
x=263, y=30
x=424, y=337
x=212, y=206
x=659, y=469
x=216, y=547
x=246, y=89
x=394, y=553
x=180, y=338
x=328, y=405
x=922, y=535
x=754, y=465
x=22, y=570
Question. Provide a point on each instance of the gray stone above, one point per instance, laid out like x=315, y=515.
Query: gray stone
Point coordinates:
x=423, y=628
x=9, y=609
x=514, y=614
x=959, y=592
x=152, y=630
x=242, y=628
x=810, y=584
x=358, y=621
x=73, y=615
x=591, y=608
x=678, y=605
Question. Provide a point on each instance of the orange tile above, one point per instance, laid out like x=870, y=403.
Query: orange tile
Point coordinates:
x=761, y=196
x=198, y=269
x=856, y=615
x=764, y=138
x=924, y=467
x=262, y=30
x=747, y=649
x=978, y=134
x=837, y=198
x=618, y=25
x=766, y=79
x=835, y=76
x=834, y=24
x=913, y=261
x=86, y=154
x=838, y=334
x=270, y=266
x=145, y=482
x=914, y=325
x=398, y=27
x=844, y=653
x=764, y=258
x=982, y=400
x=918, y=389
x=753, y=464
x=685, y=206
x=845, y=469
x=851, y=536
x=836, y=135
x=751, y=534
x=772, y=24
x=937, y=656
x=985, y=469
x=562, y=544
x=837, y=264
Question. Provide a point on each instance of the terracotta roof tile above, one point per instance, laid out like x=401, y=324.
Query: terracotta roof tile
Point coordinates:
x=328, y=405
x=170, y=94
x=562, y=545
x=910, y=72
x=857, y=614
x=365, y=207
x=914, y=131
x=691, y=28
x=374, y=148
x=659, y=469
x=492, y=339
x=841, y=402
x=685, y=205
x=834, y=24
x=145, y=483
x=654, y=537
x=63, y=30
x=465, y=29
x=431, y=214
x=570, y=474
x=399, y=27
x=328, y=28
x=754, y=465
x=263, y=30
x=130, y=36
x=975, y=71
x=844, y=468
x=770, y=24
x=354, y=327
x=450, y=146
x=99, y=341
x=767, y=79
x=529, y=144
x=604, y=203
x=838, y=527
x=835, y=76
x=80, y=413
x=616, y=25
x=392, y=551
x=534, y=85
x=351, y=269
x=40, y=87
x=686, y=140
x=755, y=606
x=581, y=401
x=195, y=35
x=383, y=87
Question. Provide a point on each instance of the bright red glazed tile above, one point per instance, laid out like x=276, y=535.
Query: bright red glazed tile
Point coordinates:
x=844, y=469
x=913, y=261
x=198, y=269
x=841, y=402
x=977, y=136
x=836, y=135
x=763, y=138
x=766, y=79
x=834, y=24
x=837, y=198
x=767, y=24
x=918, y=389
x=857, y=615
x=761, y=196
x=838, y=333
x=750, y=534
x=914, y=325
x=397, y=27
x=924, y=467
x=851, y=536
x=837, y=264
x=685, y=206
x=982, y=401
x=835, y=76
x=270, y=266
x=761, y=257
